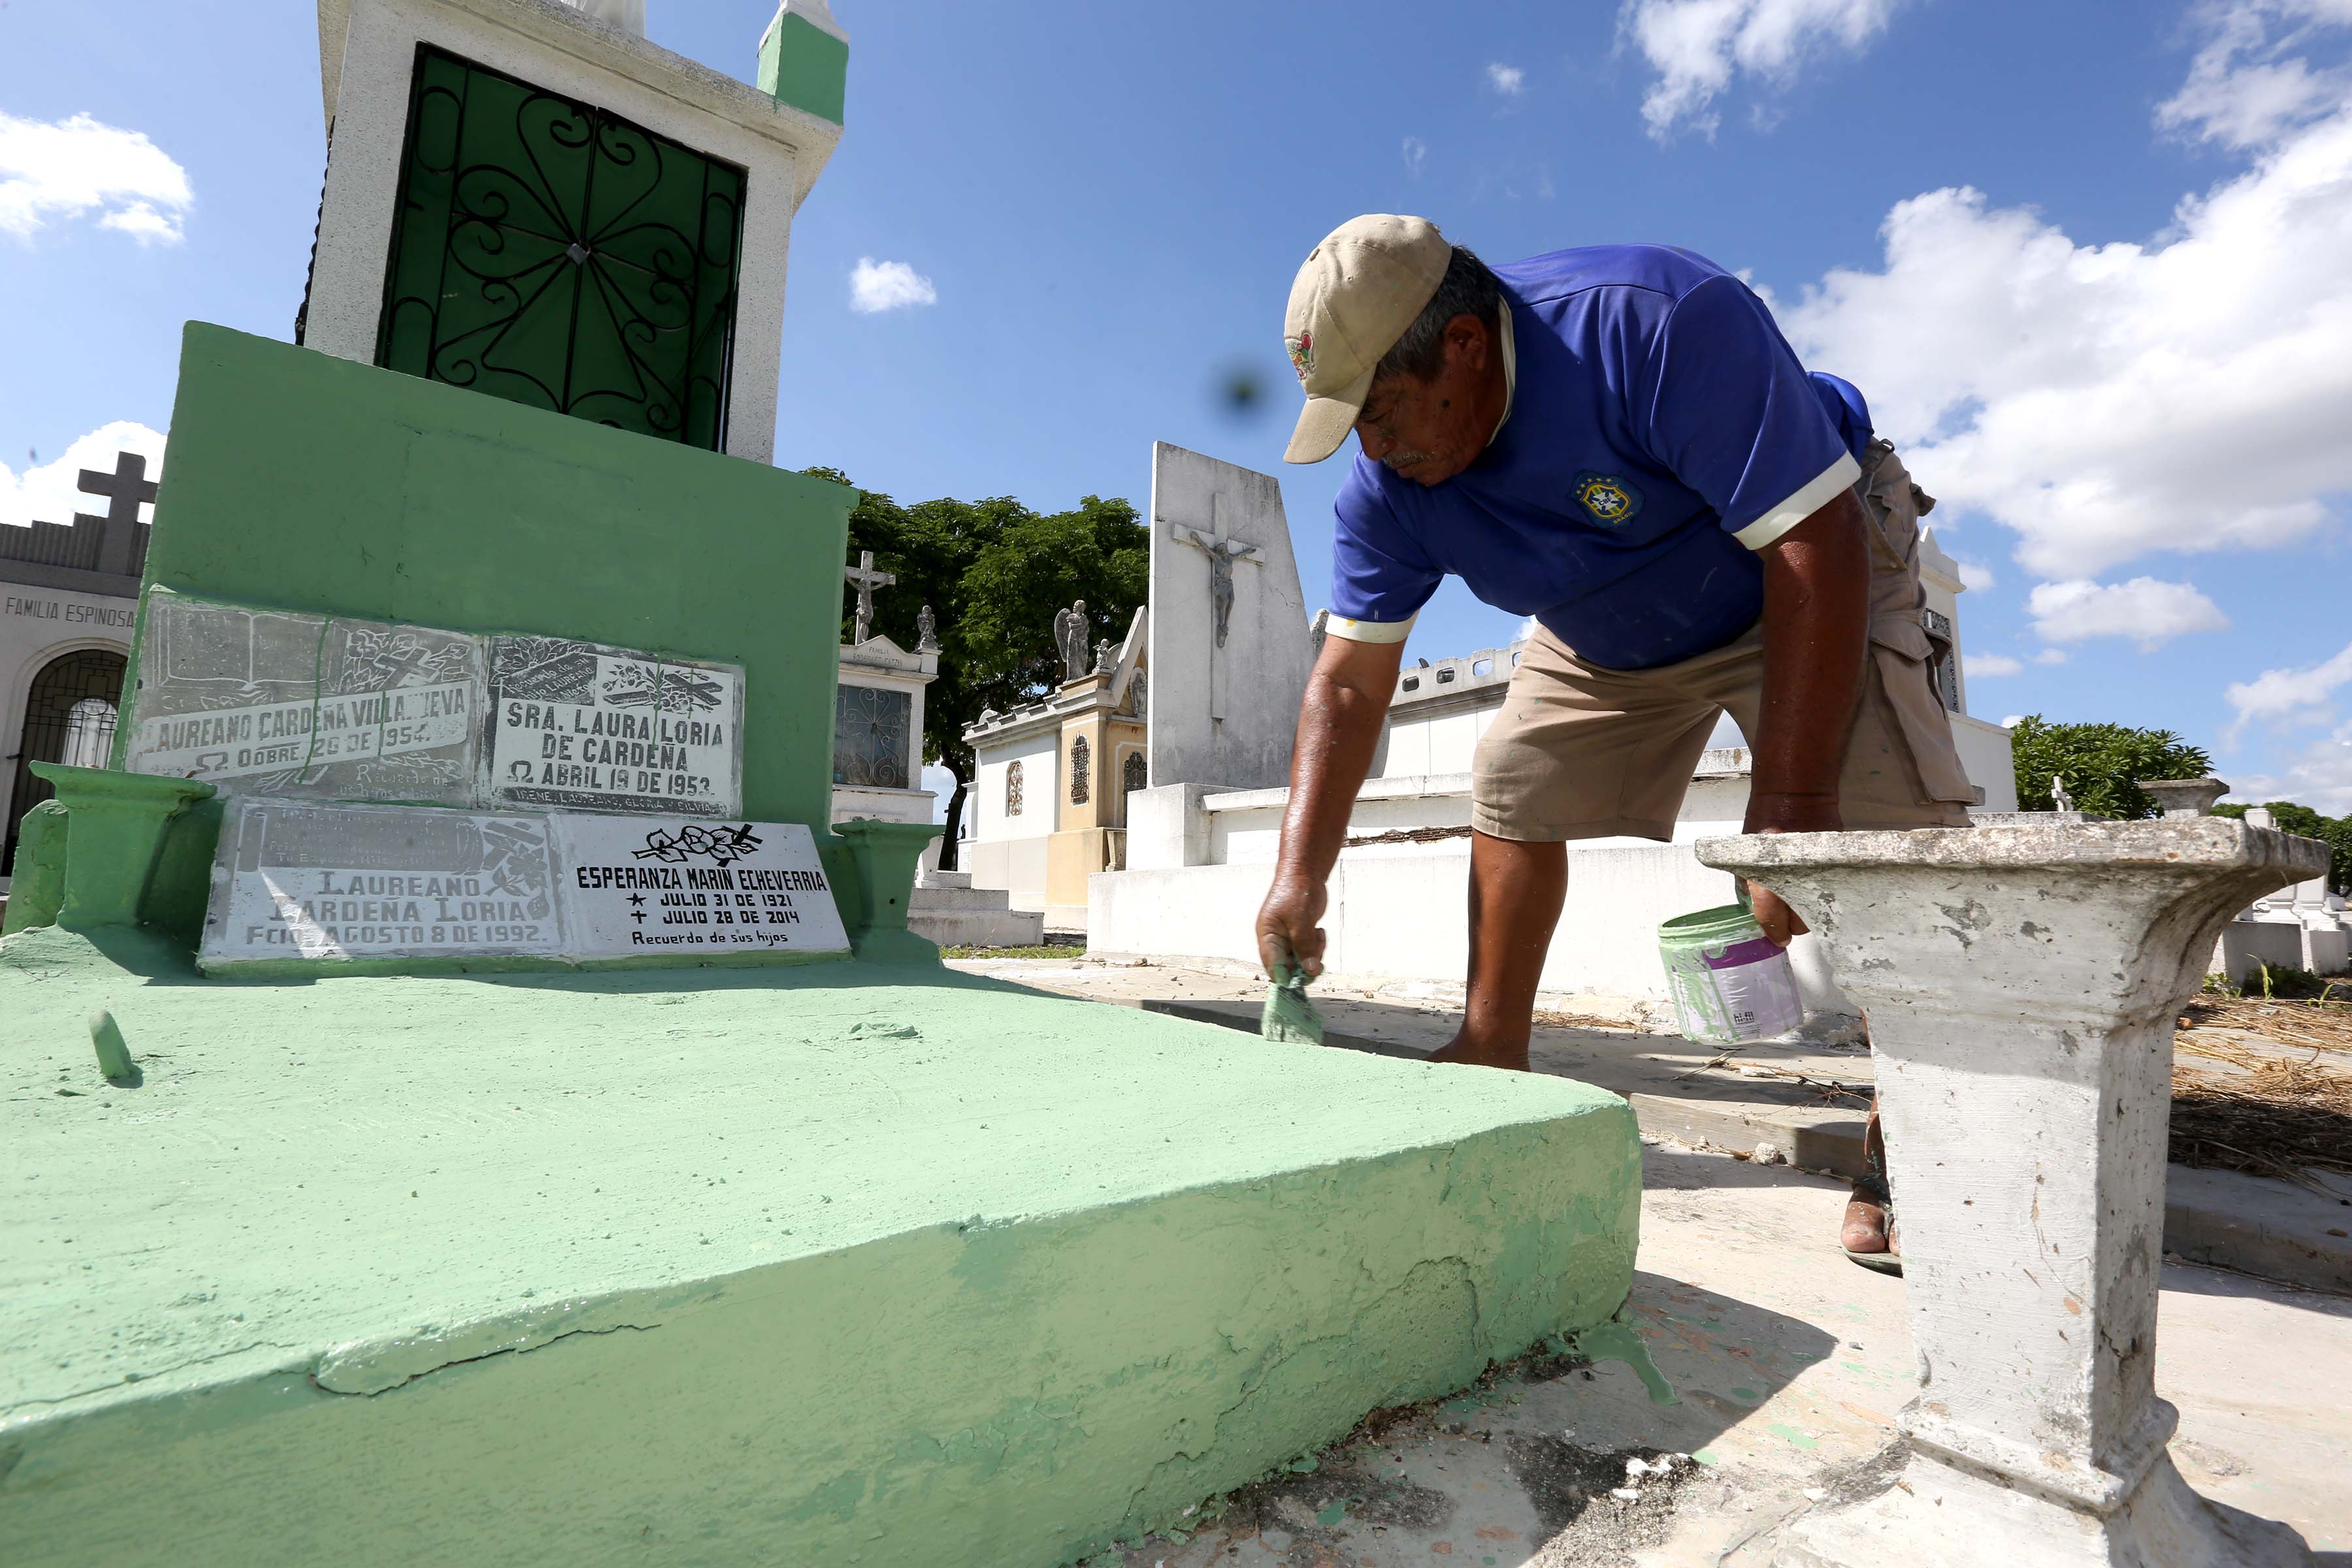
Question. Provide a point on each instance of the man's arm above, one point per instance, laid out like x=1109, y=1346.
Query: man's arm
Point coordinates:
x=1339, y=722
x=1816, y=636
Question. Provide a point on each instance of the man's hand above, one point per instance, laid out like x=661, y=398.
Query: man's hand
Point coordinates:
x=1289, y=928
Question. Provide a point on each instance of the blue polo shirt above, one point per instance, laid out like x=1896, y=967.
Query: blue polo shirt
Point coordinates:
x=1661, y=432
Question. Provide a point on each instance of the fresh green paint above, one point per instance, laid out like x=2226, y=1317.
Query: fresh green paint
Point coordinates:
x=1616, y=1340
x=37, y=888
x=803, y=64
x=841, y=1264
x=116, y=825
x=303, y=481
x=1782, y=1430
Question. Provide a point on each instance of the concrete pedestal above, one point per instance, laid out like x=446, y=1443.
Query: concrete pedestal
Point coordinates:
x=115, y=827
x=2021, y=984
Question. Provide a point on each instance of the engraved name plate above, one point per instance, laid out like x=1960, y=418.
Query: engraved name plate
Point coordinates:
x=578, y=726
x=634, y=887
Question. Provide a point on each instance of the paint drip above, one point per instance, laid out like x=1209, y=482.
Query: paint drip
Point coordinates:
x=1616, y=1340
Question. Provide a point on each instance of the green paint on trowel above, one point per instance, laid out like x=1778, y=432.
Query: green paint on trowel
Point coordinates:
x=113, y=1057
x=1290, y=1018
x=1616, y=1340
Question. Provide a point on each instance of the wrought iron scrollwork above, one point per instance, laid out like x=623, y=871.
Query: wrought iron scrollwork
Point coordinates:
x=552, y=253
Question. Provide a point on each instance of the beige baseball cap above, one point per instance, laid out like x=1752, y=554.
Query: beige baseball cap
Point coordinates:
x=1358, y=292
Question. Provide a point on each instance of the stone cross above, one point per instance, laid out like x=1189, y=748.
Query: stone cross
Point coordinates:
x=2058, y=795
x=2021, y=984
x=1222, y=553
x=124, y=489
x=865, y=580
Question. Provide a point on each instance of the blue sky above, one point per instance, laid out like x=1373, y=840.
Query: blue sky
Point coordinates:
x=2088, y=261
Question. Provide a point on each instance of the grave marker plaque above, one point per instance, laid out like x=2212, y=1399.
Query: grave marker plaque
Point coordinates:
x=580, y=726
x=298, y=880
x=271, y=703
x=634, y=887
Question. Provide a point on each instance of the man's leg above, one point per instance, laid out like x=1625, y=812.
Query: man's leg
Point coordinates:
x=1516, y=892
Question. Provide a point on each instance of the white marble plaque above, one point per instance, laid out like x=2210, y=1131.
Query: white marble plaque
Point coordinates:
x=270, y=702
x=634, y=887
x=294, y=879
x=582, y=726
x=298, y=879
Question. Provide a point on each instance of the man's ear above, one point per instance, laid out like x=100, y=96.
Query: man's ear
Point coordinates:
x=1467, y=340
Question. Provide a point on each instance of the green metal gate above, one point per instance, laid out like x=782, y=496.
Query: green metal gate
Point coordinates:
x=554, y=254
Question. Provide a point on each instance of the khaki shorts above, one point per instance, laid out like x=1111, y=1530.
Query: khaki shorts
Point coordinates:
x=1580, y=752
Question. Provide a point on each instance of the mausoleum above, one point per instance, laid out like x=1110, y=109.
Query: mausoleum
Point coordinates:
x=68, y=600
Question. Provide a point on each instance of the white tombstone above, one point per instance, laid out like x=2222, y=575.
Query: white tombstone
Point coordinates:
x=1229, y=652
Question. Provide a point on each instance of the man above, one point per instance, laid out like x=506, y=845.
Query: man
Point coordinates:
x=1617, y=441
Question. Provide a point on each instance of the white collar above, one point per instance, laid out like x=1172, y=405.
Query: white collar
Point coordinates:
x=1510, y=368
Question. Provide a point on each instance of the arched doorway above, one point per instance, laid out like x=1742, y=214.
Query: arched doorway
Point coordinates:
x=69, y=717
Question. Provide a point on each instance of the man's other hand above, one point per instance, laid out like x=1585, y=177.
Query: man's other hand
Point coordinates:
x=1289, y=928
x=1772, y=813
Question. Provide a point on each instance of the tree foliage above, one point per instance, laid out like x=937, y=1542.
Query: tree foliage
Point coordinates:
x=994, y=573
x=2102, y=764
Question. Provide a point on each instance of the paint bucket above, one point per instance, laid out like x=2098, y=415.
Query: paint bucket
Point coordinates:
x=1730, y=983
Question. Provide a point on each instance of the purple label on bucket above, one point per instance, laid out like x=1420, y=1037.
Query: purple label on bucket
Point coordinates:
x=1755, y=950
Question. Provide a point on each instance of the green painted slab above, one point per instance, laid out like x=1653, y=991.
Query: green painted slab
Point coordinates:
x=836, y=1265
x=306, y=482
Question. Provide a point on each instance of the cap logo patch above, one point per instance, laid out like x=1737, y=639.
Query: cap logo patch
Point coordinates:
x=1609, y=500
x=1302, y=355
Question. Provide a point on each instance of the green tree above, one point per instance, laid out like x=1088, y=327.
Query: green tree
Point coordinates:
x=2336, y=831
x=993, y=573
x=2102, y=764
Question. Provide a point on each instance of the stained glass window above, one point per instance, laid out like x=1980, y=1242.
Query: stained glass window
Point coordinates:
x=1081, y=755
x=1013, y=789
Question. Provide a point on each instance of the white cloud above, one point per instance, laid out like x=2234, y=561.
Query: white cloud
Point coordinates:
x=1416, y=154
x=2244, y=89
x=1981, y=665
x=876, y=286
x=2289, y=696
x=1697, y=47
x=49, y=493
x=1508, y=81
x=2104, y=401
x=2320, y=777
x=2052, y=655
x=1527, y=628
x=1974, y=577
x=74, y=167
x=2149, y=613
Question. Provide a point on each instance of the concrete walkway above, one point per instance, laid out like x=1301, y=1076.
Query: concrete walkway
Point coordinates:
x=1788, y=1364
x=1809, y=1102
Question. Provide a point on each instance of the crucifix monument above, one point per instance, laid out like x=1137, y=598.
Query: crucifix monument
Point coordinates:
x=865, y=579
x=1229, y=652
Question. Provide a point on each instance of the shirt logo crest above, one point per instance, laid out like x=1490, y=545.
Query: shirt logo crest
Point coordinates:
x=1609, y=500
x=1302, y=355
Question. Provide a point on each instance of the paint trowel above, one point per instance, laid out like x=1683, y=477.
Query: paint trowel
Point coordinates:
x=1289, y=1016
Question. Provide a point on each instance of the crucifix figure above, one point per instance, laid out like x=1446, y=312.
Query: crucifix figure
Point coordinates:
x=865, y=580
x=1222, y=553
x=124, y=489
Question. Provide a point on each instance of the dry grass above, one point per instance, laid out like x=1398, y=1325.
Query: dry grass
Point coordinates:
x=2278, y=1114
